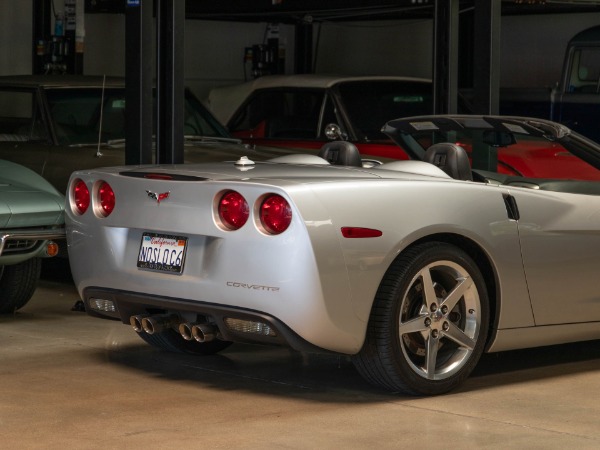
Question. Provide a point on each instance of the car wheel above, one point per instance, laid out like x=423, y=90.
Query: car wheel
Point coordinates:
x=17, y=284
x=428, y=324
x=172, y=341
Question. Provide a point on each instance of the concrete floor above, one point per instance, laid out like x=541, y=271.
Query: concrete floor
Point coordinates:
x=69, y=381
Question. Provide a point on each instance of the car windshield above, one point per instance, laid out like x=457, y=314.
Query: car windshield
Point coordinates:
x=508, y=146
x=370, y=104
x=78, y=117
x=282, y=114
x=21, y=119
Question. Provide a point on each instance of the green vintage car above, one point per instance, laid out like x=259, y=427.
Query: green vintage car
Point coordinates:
x=58, y=124
x=31, y=217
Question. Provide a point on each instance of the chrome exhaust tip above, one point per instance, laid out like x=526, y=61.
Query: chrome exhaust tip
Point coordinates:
x=185, y=329
x=136, y=322
x=204, y=332
x=158, y=324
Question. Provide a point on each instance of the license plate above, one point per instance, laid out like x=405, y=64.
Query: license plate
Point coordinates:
x=162, y=252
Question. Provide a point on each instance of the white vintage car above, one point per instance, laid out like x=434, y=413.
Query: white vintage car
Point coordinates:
x=413, y=268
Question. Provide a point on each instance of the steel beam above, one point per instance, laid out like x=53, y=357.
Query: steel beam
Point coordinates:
x=486, y=64
x=138, y=82
x=303, y=50
x=42, y=15
x=170, y=86
x=445, y=57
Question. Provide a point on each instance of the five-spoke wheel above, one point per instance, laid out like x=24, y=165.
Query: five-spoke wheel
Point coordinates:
x=428, y=323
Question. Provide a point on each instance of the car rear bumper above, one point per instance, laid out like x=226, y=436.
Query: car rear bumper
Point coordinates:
x=129, y=304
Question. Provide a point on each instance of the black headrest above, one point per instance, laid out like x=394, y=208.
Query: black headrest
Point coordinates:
x=341, y=153
x=451, y=158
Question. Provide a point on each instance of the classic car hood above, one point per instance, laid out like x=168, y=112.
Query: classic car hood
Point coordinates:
x=199, y=149
x=23, y=206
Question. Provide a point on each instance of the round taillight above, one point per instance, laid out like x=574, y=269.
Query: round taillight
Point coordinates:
x=81, y=196
x=106, y=199
x=275, y=214
x=233, y=210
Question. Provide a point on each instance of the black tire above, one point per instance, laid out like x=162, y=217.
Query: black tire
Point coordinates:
x=18, y=283
x=172, y=341
x=421, y=340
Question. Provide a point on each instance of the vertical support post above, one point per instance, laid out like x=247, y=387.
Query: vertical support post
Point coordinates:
x=303, y=51
x=486, y=66
x=486, y=80
x=138, y=82
x=170, y=87
x=73, y=61
x=445, y=57
x=42, y=14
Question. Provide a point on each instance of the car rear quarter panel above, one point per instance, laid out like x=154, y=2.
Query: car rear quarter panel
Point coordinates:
x=407, y=212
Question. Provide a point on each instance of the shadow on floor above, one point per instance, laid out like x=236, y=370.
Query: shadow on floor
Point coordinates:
x=57, y=269
x=284, y=372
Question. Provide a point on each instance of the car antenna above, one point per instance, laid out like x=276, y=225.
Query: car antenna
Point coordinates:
x=98, y=152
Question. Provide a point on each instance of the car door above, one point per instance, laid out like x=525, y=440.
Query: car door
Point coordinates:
x=560, y=239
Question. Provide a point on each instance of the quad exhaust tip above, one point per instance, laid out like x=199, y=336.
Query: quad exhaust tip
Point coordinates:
x=153, y=324
x=201, y=332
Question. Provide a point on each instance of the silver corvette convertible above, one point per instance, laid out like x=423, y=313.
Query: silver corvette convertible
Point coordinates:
x=413, y=268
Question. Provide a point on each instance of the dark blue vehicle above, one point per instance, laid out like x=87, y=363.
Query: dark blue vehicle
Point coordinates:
x=575, y=101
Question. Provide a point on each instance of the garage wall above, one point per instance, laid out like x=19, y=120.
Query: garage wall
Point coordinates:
x=15, y=37
x=532, y=47
x=375, y=48
x=214, y=51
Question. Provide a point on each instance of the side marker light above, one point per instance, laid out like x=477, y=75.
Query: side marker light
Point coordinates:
x=358, y=232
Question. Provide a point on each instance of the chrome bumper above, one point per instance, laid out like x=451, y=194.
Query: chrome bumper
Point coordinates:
x=30, y=234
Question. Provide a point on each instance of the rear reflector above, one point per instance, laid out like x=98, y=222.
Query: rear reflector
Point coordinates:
x=249, y=326
x=100, y=304
x=358, y=232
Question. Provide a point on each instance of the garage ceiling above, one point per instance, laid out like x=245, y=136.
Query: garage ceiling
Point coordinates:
x=295, y=11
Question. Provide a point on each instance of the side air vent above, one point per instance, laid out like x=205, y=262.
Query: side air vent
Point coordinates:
x=511, y=207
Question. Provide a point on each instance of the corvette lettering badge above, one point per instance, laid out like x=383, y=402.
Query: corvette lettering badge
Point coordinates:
x=158, y=197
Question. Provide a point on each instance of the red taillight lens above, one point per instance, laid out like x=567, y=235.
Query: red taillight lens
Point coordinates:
x=81, y=196
x=233, y=210
x=275, y=214
x=106, y=197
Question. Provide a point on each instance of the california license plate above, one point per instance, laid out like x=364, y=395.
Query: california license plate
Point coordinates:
x=162, y=252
